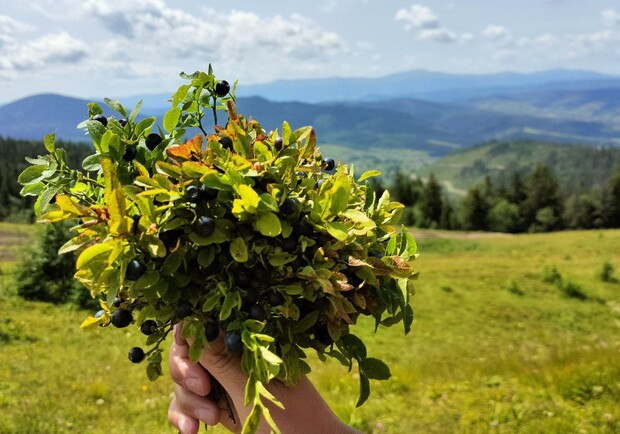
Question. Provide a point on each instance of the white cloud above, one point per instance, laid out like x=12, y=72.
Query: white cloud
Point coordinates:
x=9, y=29
x=237, y=39
x=150, y=39
x=417, y=17
x=51, y=49
x=610, y=17
x=423, y=21
x=495, y=33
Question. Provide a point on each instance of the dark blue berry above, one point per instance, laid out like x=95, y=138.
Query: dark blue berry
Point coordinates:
x=289, y=207
x=275, y=298
x=226, y=142
x=278, y=142
x=152, y=140
x=257, y=312
x=102, y=119
x=184, y=309
x=135, y=269
x=149, y=327
x=212, y=331
x=192, y=194
x=204, y=226
x=136, y=355
x=222, y=88
x=233, y=342
x=121, y=318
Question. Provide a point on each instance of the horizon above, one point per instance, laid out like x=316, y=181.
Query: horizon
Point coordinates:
x=92, y=49
x=158, y=93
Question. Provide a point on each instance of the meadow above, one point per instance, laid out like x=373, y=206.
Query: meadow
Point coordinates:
x=513, y=334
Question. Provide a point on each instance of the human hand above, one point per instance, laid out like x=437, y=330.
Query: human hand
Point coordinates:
x=305, y=411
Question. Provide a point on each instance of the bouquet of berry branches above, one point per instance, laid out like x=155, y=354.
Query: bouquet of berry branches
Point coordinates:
x=235, y=231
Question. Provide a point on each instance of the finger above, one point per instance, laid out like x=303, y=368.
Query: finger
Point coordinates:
x=185, y=373
x=196, y=406
x=225, y=368
x=181, y=421
x=178, y=338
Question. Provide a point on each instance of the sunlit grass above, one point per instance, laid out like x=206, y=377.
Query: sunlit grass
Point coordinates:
x=494, y=348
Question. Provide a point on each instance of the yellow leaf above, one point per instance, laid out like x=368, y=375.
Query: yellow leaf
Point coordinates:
x=67, y=204
x=114, y=198
x=91, y=322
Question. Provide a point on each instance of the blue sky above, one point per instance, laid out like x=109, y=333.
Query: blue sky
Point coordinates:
x=96, y=48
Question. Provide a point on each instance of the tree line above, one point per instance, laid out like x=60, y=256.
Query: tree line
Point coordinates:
x=524, y=203
x=536, y=202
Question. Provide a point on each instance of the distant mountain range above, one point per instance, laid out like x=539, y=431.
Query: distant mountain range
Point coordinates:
x=417, y=84
x=435, y=113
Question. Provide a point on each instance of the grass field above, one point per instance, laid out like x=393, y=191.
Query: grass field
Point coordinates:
x=512, y=334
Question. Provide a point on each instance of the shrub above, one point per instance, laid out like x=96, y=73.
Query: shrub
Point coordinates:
x=552, y=275
x=513, y=287
x=573, y=290
x=44, y=275
x=606, y=273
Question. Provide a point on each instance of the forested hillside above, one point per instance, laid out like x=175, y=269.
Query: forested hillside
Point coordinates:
x=577, y=167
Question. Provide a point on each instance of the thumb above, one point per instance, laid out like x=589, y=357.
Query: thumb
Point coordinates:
x=226, y=369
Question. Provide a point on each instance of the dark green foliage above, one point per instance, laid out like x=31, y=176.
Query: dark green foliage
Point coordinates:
x=514, y=288
x=552, y=275
x=573, y=290
x=11, y=331
x=12, y=163
x=475, y=210
x=542, y=208
x=44, y=275
x=606, y=273
x=431, y=201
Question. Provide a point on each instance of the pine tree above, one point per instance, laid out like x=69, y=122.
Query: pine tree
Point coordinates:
x=475, y=209
x=542, y=209
x=431, y=202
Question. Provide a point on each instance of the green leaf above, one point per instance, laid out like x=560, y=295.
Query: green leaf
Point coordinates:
x=153, y=371
x=239, y=250
x=31, y=174
x=306, y=322
x=143, y=125
x=369, y=174
x=407, y=318
x=180, y=94
x=94, y=109
x=375, y=369
x=92, y=163
x=253, y=420
x=268, y=224
x=92, y=252
x=338, y=230
x=116, y=106
x=96, y=131
x=48, y=141
x=32, y=189
x=171, y=118
x=172, y=262
x=231, y=300
x=147, y=280
x=135, y=111
x=355, y=346
x=411, y=247
x=206, y=256
x=364, y=390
